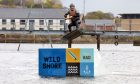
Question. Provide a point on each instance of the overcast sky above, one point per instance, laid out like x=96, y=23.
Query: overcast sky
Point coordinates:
x=114, y=6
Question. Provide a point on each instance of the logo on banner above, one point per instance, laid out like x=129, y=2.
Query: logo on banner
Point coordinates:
x=86, y=55
x=66, y=62
x=87, y=69
x=72, y=55
x=52, y=64
x=72, y=69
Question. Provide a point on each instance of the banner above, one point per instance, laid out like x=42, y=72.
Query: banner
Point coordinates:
x=66, y=62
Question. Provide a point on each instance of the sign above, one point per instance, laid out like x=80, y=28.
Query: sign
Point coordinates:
x=66, y=62
x=72, y=69
x=87, y=69
x=52, y=62
x=87, y=62
x=73, y=62
x=86, y=55
x=73, y=55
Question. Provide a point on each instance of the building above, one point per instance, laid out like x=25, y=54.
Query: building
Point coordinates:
x=31, y=19
x=130, y=21
x=99, y=25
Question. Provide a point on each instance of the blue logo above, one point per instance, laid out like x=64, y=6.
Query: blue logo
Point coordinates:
x=87, y=69
x=86, y=55
x=52, y=62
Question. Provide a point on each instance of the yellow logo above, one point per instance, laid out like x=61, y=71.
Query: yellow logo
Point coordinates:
x=73, y=55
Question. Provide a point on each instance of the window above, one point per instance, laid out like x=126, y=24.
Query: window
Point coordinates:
x=12, y=28
x=31, y=21
x=50, y=22
x=41, y=29
x=22, y=28
x=3, y=21
x=41, y=22
x=50, y=28
x=61, y=28
x=22, y=22
x=31, y=25
x=13, y=22
x=62, y=22
x=3, y=28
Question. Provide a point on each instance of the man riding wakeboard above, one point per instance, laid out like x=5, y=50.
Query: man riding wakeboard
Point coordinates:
x=74, y=17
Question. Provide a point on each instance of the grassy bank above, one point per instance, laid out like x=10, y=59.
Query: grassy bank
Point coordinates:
x=16, y=38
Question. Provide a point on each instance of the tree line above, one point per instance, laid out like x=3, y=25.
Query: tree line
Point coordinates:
x=51, y=4
x=31, y=3
x=99, y=15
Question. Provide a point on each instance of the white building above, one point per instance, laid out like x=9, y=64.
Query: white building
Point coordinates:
x=31, y=19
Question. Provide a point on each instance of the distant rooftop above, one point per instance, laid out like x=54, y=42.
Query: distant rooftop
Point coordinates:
x=23, y=13
x=130, y=15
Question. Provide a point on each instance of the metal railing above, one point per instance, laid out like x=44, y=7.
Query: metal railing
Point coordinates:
x=38, y=29
x=113, y=27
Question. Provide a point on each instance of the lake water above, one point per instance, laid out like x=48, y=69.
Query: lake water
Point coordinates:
x=114, y=65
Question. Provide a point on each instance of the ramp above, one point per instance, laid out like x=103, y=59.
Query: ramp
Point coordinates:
x=72, y=35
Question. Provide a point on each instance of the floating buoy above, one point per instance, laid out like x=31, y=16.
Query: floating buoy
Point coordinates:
x=116, y=43
x=116, y=36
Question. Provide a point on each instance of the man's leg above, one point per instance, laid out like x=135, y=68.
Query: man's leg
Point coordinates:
x=69, y=27
x=77, y=23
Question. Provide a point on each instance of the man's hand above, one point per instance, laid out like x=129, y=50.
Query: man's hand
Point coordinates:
x=71, y=17
x=68, y=17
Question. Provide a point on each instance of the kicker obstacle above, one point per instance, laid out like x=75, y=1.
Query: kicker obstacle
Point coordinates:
x=76, y=33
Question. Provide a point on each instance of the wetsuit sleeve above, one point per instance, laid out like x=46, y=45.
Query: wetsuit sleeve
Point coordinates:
x=77, y=14
x=66, y=14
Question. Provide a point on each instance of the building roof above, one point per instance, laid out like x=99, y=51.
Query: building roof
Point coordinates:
x=99, y=22
x=16, y=13
x=129, y=14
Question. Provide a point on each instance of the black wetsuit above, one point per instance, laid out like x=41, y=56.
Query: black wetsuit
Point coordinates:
x=75, y=20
